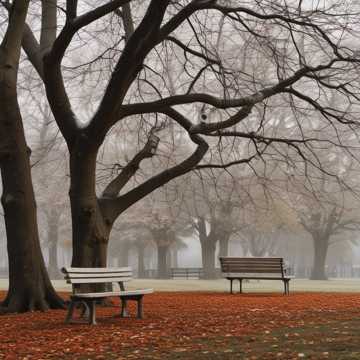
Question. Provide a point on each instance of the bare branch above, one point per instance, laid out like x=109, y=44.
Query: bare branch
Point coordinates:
x=148, y=151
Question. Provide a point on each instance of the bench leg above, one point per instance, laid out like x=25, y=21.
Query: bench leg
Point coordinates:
x=231, y=286
x=70, y=312
x=92, y=315
x=286, y=287
x=124, y=312
x=240, y=280
x=140, y=308
x=85, y=311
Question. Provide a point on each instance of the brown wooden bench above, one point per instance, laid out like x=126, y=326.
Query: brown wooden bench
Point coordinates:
x=246, y=268
x=79, y=277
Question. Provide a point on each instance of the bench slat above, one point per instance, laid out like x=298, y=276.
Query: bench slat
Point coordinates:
x=251, y=271
x=250, y=258
x=242, y=276
x=277, y=266
x=249, y=274
x=102, y=275
x=97, y=280
x=270, y=266
x=114, y=293
x=273, y=263
x=253, y=264
x=78, y=270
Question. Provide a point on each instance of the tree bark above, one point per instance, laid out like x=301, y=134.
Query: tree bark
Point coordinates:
x=29, y=285
x=321, y=245
x=90, y=229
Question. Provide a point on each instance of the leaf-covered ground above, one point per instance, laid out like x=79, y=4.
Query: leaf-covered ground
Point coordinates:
x=196, y=326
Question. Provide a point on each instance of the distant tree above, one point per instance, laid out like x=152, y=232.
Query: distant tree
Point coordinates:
x=166, y=226
x=327, y=224
x=262, y=222
x=123, y=241
x=328, y=210
x=153, y=222
x=141, y=244
x=48, y=163
x=213, y=203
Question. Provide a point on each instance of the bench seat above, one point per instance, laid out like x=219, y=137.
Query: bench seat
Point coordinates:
x=255, y=277
x=113, y=293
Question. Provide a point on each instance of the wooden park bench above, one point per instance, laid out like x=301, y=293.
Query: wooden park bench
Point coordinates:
x=247, y=268
x=80, y=277
x=186, y=273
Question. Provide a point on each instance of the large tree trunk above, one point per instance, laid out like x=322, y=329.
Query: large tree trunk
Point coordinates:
x=162, y=264
x=90, y=231
x=321, y=246
x=29, y=285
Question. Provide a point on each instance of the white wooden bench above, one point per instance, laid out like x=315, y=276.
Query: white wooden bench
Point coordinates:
x=88, y=277
x=245, y=268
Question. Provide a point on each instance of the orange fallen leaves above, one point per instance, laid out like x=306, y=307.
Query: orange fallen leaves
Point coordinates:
x=177, y=321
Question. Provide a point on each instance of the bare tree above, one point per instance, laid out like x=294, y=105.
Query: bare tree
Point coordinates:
x=329, y=219
x=213, y=202
x=327, y=207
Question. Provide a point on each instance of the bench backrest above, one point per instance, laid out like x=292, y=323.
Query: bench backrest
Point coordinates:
x=253, y=265
x=75, y=275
